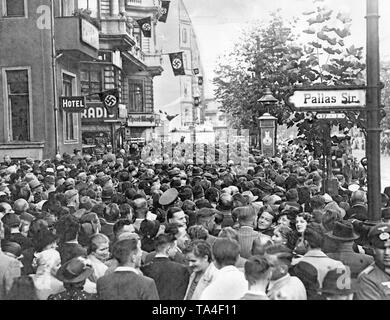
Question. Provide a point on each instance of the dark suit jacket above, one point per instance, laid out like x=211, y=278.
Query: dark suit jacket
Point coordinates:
x=357, y=262
x=126, y=285
x=178, y=257
x=71, y=250
x=171, y=277
x=23, y=241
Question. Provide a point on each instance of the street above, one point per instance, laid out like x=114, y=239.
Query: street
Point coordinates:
x=385, y=167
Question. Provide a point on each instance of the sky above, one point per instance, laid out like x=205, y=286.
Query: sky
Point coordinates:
x=218, y=24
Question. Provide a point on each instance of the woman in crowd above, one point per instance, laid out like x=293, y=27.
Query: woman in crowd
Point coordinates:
x=280, y=235
x=199, y=257
x=98, y=254
x=295, y=239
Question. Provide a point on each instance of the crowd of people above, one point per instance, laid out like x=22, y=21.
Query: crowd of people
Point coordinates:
x=108, y=227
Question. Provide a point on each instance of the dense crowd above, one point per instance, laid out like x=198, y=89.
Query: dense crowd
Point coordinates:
x=81, y=227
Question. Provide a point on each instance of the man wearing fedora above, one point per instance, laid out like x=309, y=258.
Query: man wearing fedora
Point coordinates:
x=374, y=281
x=344, y=236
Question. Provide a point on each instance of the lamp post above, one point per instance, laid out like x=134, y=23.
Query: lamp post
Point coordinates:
x=373, y=119
x=267, y=126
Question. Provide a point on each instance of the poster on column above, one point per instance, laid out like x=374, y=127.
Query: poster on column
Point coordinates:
x=268, y=142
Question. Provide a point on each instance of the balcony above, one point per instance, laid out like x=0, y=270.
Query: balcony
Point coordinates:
x=77, y=37
x=154, y=63
x=116, y=34
x=143, y=6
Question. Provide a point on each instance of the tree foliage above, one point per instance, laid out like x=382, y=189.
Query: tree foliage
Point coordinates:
x=271, y=55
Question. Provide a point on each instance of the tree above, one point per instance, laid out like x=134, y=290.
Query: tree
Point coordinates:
x=385, y=75
x=269, y=55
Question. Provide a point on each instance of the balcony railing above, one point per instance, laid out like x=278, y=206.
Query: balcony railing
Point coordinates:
x=153, y=60
x=116, y=26
x=118, y=32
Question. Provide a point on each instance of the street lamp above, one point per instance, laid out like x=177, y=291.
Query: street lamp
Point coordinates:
x=267, y=126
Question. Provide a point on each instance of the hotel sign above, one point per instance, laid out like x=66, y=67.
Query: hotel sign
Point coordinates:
x=141, y=120
x=328, y=98
x=73, y=104
x=89, y=34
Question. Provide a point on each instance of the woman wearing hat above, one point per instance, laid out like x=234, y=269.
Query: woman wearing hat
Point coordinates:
x=74, y=274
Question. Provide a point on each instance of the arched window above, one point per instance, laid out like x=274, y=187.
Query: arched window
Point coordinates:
x=184, y=35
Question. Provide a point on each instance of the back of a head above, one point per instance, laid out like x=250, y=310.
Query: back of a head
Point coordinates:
x=330, y=216
x=198, y=232
x=283, y=253
x=67, y=227
x=112, y=213
x=358, y=196
x=226, y=251
x=230, y=233
x=245, y=214
x=212, y=194
x=256, y=268
x=226, y=201
x=163, y=240
x=122, y=249
x=317, y=202
x=314, y=235
x=186, y=194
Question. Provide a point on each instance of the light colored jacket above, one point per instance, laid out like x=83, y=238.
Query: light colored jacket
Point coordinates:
x=229, y=284
x=287, y=288
x=204, y=281
x=10, y=268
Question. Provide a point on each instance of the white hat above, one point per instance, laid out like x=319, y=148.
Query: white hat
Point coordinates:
x=50, y=170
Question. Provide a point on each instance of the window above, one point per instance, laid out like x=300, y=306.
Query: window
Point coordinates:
x=18, y=105
x=91, y=83
x=184, y=35
x=91, y=5
x=67, y=8
x=15, y=8
x=70, y=119
x=136, y=97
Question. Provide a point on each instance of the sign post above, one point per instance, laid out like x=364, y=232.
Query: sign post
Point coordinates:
x=330, y=98
x=329, y=102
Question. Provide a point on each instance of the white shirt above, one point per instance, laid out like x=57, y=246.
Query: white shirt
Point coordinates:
x=229, y=283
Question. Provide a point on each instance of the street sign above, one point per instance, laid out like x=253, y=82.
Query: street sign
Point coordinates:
x=330, y=116
x=73, y=104
x=328, y=98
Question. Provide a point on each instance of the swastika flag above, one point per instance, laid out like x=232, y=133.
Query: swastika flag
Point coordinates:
x=110, y=98
x=145, y=25
x=164, y=11
x=177, y=63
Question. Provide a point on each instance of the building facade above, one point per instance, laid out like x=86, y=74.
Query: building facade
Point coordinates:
x=176, y=94
x=86, y=46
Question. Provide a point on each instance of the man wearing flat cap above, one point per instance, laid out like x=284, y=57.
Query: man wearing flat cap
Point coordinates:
x=374, y=281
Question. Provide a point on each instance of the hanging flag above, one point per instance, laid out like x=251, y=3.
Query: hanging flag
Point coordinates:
x=200, y=80
x=196, y=101
x=196, y=71
x=146, y=26
x=164, y=11
x=110, y=98
x=177, y=63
